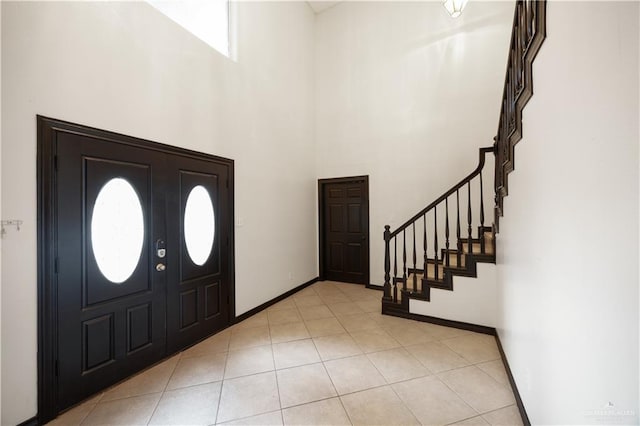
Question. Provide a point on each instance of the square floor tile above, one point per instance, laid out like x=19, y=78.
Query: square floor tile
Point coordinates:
x=287, y=303
x=75, y=415
x=268, y=419
x=356, y=322
x=386, y=321
x=324, y=327
x=353, y=374
x=305, y=292
x=478, y=389
x=214, y=344
x=315, y=312
x=496, y=370
x=474, y=348
x=246, y=361
x=334, y=297
x=248, y=396
x=345, y=308
x=327, y=412
x=195, y=405
x=437, y=357
x=303, y=384
x=308, y=301
x=432, y=402
x=408, y=334
x=284, y=316
x=374, y=340
x=507, y=416
x=473, y=421
x=379, y=406
x=153, y=380
x=336, y=346
x=440, y=332
x=198, y=370
x=249, y=337
x=136, y=410
x=294, y=354
x=258, y=320
x=397, y=365
x=288, y=332
x=370, y=305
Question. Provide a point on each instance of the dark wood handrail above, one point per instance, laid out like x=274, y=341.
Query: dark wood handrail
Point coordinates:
x=482, y=154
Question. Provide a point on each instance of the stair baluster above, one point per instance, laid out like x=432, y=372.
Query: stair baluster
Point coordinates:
x=415, y=275
x=458, y=239
x=387, y=264
x=435, y=235
x=404, y=261
x=470, y=246
x=481, y=232
x=446, y=232
x=424, y=247
x=395, y=270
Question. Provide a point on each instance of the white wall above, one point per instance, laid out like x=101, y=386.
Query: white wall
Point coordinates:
x=406, y=95
x=568, y=252
x=473, y=300
x=125, y=67
x=0, y=217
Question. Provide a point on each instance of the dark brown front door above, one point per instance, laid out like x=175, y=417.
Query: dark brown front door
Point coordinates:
x=198, y=300
x=137, y=256
x=344, y=229
x=111, y=300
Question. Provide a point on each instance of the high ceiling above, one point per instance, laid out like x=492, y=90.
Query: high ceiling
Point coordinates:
x=320, y=6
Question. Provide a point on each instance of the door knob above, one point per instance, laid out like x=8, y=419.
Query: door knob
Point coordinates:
x=160, y=267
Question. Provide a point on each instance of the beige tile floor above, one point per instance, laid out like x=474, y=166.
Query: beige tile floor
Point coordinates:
x=323, y=356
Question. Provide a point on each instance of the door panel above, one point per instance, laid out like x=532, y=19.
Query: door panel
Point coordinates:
x=345, y=230
x=106, y=330
x=197, y=300
x=97, y=287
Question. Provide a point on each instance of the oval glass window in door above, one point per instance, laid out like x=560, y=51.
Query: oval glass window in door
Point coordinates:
x=199, y=225
x=117, y=230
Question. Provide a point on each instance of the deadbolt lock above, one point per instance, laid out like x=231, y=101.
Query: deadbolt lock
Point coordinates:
x=161, y=250
x=160, y=267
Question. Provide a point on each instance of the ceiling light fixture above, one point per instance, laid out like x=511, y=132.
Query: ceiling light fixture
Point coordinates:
x=454, y=7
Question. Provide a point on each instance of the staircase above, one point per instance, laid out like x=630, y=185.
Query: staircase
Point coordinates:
x=452, y=239
x=451, y=234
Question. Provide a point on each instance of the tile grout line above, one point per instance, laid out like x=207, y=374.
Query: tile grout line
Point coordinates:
x=481, y=415
x=179, y=355
x=332, y=384
x=224, y=371
x=275, y=372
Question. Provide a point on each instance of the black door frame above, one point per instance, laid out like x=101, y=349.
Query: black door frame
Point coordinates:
x=321, y=242
x=47, y=242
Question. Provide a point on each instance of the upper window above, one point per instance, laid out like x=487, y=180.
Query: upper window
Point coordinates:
x=206, y=19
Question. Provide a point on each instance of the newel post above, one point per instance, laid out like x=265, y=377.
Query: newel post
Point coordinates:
x=387, y=264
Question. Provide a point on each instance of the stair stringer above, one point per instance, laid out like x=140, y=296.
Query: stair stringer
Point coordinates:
x=474, y=300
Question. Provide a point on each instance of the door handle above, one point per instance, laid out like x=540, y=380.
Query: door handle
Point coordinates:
x=160, y=267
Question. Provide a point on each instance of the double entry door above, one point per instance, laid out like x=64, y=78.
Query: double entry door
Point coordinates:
x=142, y=255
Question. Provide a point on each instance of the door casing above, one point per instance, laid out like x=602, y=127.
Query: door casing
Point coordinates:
x=47, y=129
x=321, y=221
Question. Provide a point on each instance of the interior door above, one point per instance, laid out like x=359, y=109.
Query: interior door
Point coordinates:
x=345, y=230
x=111, y=299
x=197, y=299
